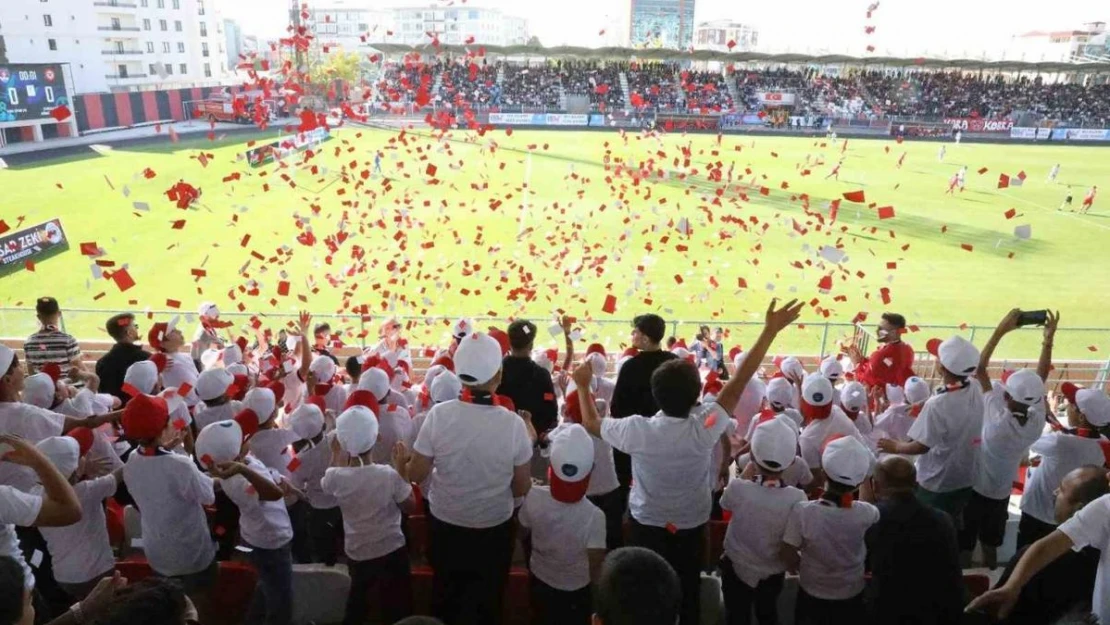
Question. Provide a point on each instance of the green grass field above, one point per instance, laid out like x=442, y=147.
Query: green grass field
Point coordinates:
x=533, y=222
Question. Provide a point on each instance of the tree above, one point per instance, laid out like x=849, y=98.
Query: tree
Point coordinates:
x=534, y=41
x=339, y=65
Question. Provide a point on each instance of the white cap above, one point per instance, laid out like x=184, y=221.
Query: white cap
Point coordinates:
x=792, y=368
x=1094, y=404
x=232, y=355
x=597, y=363
x=260, y=401
x=430, y=376
x=541, y=359
x=895, y=395
x=445, y=387
x=751, y=399
x=219, y=442
x=376, y=381
x=357, y=430
x=39, y=390
x=958, y=356
x=572, y=454
x=681, y=352
x=306, y=421
x=781, y=393
x=238, y=369
x=831, y=368
x=208, y=309
x=853, y=396
x=917, y=390
x=463, y=327
x=817, y=396
x=846, y=460
x=794, y=417
x=212, y=383
x=142, y=375
x=1025, y=386
x=63, y=452
x=7, y=355
x=323, y=368
x=80, y=405
x=774, y=445
x=209, y=357
x=477, y=359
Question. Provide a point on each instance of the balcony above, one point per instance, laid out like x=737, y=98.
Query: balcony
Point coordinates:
x=121, y=52
x=130, y=29
x=116, y=5
x=124, y=76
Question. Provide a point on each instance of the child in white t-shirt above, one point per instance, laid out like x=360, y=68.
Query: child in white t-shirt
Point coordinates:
x=264, y=525
x=271, y=444
x=827, y=536
x=325, y=521
x=895, y=422
x=81, y=553
x=853, y=401
x=603, y=489
x=372, y=498
x=567, y=532
x=798, y=473
x=752, y=571
x=213, y=388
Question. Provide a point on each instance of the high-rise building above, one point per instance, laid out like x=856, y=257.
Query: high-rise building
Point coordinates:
x=661, y=23
x=119, y=45
x=456, y=25
x=718, y=34
x=234, y=36
x=348, y=24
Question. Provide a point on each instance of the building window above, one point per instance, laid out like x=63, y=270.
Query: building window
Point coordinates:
x=169, y=69
x=181, y=47
x=150, y=47
x=122, y=69
x=46, y=19
x=119, y=47
x=207, y=70
x=200, y=7
x=145, y=4
x=203, y=29
x=163, y=25
x=52, y=44
x=177, y=4
x=115, y=23
x=146, y=24
x=220, y=27
x=161, y=4
x=182, y=68
x=204, y=48
x=153, y=70
x=165, y=46
x=177, y=25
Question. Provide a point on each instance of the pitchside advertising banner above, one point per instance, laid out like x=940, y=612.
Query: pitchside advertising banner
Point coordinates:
x=1080, y=134
x=776, y=98
x=29, y=92
x=978, y=124
x=1030, y=133
x=31, y=244
x=262, y=154
x=539, y=119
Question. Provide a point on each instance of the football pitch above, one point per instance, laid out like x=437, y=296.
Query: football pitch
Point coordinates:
x=694, y=227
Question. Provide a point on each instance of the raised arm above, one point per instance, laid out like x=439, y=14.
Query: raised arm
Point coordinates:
x=565, y=322
x=304, y=323
x=591, y=420
x=1044, y=364
x=775, y=321
x=1001, y=601
x=1008, y=324
x=60, y=506
x=267, y=490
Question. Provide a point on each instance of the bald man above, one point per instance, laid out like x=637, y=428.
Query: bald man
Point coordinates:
x=915, y=560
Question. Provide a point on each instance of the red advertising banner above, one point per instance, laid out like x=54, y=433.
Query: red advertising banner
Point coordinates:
x=979, y=124
x=680, y=123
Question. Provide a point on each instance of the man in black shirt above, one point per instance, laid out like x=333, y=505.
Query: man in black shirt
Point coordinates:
x=526, y=383
x=113, y=365
x=632, y=394
x=915, y=568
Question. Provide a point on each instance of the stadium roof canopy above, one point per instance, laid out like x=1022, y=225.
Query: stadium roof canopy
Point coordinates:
x=747, y=57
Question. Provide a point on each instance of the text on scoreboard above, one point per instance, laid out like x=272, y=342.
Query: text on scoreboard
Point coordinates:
x=30, y=91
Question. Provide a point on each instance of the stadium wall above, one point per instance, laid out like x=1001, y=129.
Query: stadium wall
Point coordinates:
x=102, y=111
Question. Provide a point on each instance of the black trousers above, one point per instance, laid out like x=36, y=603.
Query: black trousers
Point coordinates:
x=684, y=550
x=470, y=570
x=1032, y=529
x=325, y=534
x=810, y=610
x=392, y=577
x=612, y=504
x=50, y=599
x=551, y=606
x=740, y=597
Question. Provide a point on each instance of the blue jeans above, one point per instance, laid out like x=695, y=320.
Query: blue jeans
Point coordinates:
x=272, y=603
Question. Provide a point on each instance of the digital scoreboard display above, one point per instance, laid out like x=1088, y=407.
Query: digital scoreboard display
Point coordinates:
x=29, y=92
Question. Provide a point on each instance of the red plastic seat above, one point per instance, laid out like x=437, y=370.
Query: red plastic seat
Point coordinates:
x=976, y=584
x=1105, y=444
x=518, y=599
x=232, y=594
x=418, y=538
x=113, y=514
x=134, y=570
x=717, y=531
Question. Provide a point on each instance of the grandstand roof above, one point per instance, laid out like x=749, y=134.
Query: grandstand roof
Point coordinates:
x=746, y=57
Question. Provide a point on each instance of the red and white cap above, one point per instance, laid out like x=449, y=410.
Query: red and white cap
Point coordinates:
x=542, y=359
x=958, y=356
x=142, y=376
x=792, y=368
x=445, y=387
x=463, y=327
x=1094, y=404
x=262, y=402
x=572, y=460
x=477, y=359
x=357, y=430
x=774, y=445
x=597, y=363
x=159, y=331
x=7, y=357
x=595, y=348
x=853, y=397
x=219, y=442
x=845, y=460
x=209, y=310
x=817, y=396
x=781, y=394
x=213, y=383
x=323, y=368
x=1025, y=386
x=832, y=369
x=376, y=381
x=145, y=417
x=64, y=453
x=916, y=390
x=39, y=390
x=307, y=421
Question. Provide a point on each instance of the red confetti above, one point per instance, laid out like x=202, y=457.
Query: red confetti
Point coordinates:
x=855, y=196
x=123, y=279
x=886, y=212
x=966, y=246
x=610, y=305
x=61, y=113
x=1010, y=214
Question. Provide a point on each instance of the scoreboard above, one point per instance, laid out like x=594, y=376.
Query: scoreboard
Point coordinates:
x=29, y=92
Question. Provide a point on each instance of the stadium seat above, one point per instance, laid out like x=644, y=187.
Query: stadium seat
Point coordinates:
x=134, y=570
x=232, y=593
x=517, y=598
x=132, y=531
x=717, y=531
x=976, y=584
x=319, y=593
x=113, y=514
x=418, y=538
x=422, y=589
x=1105, y=444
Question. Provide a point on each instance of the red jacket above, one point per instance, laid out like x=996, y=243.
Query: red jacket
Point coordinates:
x=890, y=364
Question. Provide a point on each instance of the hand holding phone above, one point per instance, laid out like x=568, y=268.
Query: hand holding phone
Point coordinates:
x=1032, y=318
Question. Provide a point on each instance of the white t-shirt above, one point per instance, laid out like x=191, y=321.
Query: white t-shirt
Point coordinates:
x=1004, y=444
x=474, y=449
x=314, y=462
x=798, y=474
x=335, y=398
x=715, y=483
x=207, y=415
x=894, y=423
x=747, y=407
x=262, y=524
x=171, y=493
x=82, y=551
x=370, y=498
x=1091, y=527
x=831, y=543
x=271, y=448
x=603, y=477
x=759, y=516
x=814, y=435
x=950, y=425
x=17, y=508
x=671, y=460
x=562, y=533
x=180, y=369
x=34, y=424
x=1060, y=454
x=605, y=388
x=393, y=426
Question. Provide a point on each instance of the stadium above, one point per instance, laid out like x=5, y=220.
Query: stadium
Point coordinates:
x=891, y=267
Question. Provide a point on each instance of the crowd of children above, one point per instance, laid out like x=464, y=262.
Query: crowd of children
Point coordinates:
x=279, y=453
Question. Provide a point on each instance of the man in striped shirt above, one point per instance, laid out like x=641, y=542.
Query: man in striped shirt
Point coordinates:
x=51, y=345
